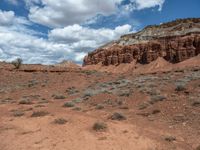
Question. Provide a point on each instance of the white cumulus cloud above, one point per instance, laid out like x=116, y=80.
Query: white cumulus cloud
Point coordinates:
x=6, y=17
x=142, y=4
x=68, y=43
x=59, y=13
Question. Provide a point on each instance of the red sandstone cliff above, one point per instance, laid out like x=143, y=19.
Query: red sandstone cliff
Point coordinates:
x=174, y=41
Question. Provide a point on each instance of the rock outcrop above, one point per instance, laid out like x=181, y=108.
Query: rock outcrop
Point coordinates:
x=175, y=42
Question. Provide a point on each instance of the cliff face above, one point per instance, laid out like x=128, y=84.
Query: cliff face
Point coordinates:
x=175, y=41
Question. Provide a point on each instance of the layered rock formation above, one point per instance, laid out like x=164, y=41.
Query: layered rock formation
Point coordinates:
x=174, y=41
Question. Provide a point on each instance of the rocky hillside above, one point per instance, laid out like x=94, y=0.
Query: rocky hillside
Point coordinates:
x=175, y=41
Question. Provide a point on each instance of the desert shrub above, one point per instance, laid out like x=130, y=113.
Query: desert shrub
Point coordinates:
x=180, y=87
x=17, y=63
x=77, y=109
x=69, y=104
x=118, y=116
x=59, y=97
x=7, y=100
x=72, y=91
x=155, y=111
x=170, y=138
x=25, y=102
x=99, y=106
x=179, y=118
x=124, y=107
x=39, y=106
x=32, y=83
x=60, y=121
x=89, y=72
x=109, y=102
x=18, y=113
x=89, y=93
x=39, y=113
x=77, y=100
x=125, y=93
x=119, y=102
x=156, y=98
x=143, y=105
x=99, y=126
x=196, y=103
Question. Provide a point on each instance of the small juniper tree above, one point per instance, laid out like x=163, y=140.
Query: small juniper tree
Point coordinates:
x=17, y=63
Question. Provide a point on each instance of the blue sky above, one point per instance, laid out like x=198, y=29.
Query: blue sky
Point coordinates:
x=49, y=31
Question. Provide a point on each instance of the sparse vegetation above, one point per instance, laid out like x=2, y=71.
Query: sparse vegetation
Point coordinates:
x=124, y=107
x=69, y=104
x=125, y=93
x=118, y=116
x=156, y=111
x=142, y=106
x=99, y=106
x=99, y=126
x=25, y=102
x=39, y=113
x=156, y=98
x=77, y=100
x=180, y=87
x=196, y=103
x=77, y=109
x=18, y=113
x=59, y=97
x=72, y=91
x=60, y=121
x=170, y=138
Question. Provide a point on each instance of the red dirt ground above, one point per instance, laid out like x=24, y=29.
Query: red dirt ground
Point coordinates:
x=160, y=101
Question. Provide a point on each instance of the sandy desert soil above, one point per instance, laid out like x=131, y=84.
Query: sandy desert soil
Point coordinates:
x=49, y=108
